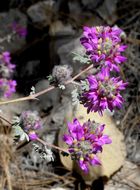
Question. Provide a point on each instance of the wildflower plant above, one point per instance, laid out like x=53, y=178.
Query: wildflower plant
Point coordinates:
x=98, y=92
x=104, y=53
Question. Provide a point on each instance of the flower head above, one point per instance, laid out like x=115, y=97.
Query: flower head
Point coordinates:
x=6, y=67
x=103, y=45
x=103, y=93
x=30, y=122
x=85, y=141
x=20, y=30
x=62, y=73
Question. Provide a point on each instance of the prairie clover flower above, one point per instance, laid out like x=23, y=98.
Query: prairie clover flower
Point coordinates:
x=30, y=122
x=7, y=87
x=20, y=30
x=103, y=45
x=6, y=67
x=85, y=141
x=103, y=93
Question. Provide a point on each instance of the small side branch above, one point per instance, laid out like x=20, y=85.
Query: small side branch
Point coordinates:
x=34, y=96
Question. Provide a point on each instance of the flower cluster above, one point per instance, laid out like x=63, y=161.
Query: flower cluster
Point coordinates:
x=20, y=30
x=30, y=122
x=103, y=93
x=100, y=91
x=103, y=45
x=6, y=67
x=7, y=86
x=85, y=141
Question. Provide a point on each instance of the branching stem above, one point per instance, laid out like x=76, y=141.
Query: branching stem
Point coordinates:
x=34, y=96
x=38, y=139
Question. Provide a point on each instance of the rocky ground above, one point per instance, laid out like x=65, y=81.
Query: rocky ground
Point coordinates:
x=54, y=28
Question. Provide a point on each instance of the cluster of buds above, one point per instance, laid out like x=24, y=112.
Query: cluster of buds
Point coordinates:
x=104, y=49
x=30, y=122
x=7, y=86
x=85, y=141
x=61, y=73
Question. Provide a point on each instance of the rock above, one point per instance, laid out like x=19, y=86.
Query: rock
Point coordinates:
x=108, y=11
x=111, y=159
x=66, y=55
x=91, y=4
x=41, y=13
x=75, y=7
x=48, y=99
x=30, y=69
x=62, y=34
x=7, y=38
x=58, y=113
x=59, y=28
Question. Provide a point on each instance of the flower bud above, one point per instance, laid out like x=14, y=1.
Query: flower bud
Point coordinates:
x=62, y=73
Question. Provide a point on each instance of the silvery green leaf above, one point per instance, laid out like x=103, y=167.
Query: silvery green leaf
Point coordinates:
x=75, y=96
x=26, y=136
x=18, y=132
x=43, y=155
x=84, y=85
x=82, y=59
x=32, y=90
x=48, y=155
x=15, y=120
x=22, y=137
x=36, y=147
x=50, y=78
x=61, y=86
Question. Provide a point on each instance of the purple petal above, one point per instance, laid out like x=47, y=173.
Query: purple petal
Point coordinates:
x=68, y=139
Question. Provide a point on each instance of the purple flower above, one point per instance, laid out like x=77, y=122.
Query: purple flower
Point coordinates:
x=103, y=45
x=84, y=142
x=6, y=57
x=103, y=93
x=32, y=136
x=100, y=139
x=30, y=122
x=6, y=67
x=20, y=30
x=7, y=87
